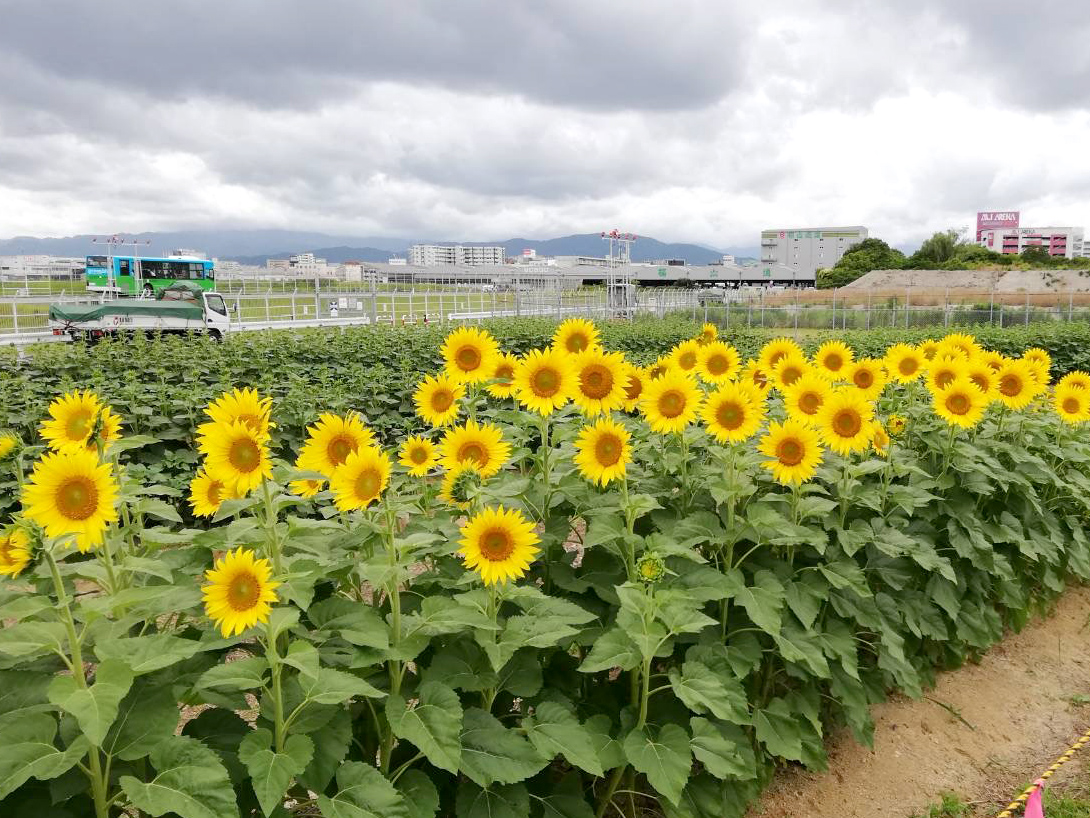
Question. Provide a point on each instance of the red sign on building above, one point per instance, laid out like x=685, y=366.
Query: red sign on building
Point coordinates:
x=995, y=219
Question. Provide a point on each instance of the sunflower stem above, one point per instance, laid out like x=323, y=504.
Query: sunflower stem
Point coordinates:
x=488, y=696
x=277, y=693
x=630, y=527
x=270, y=528
x=99, y=783
x=394, y=667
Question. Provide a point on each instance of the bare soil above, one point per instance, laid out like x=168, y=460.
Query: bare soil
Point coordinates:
x=1025, y=701
x=1032, y=281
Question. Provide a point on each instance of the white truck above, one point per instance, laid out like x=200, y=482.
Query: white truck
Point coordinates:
x=180, y=308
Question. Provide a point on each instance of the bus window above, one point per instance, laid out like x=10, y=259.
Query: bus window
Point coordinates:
x=96, y=261
x=123, y=266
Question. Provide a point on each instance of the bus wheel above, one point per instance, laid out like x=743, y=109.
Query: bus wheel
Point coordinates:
x=148, y=291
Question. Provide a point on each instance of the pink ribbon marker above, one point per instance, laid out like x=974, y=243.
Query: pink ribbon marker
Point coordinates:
x=1034, y=807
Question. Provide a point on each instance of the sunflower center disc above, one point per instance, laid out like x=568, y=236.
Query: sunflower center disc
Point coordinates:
x=596, y=381
x=809, y=403
x=1010, y=386
x=244, y=455
x=441, y=400
x=958, y=404
x=78, y=426
x=504, y=374
x=1071, y=406
x=718, y=364
x=847, y=423
x=243, y=592
x=418, y=455
x=214, y=493
x=576, y=342
x=496, y=545
x=943, y=378
x=5, y=552
x=339, y=448
x=545, y=383
x=908, y=366
x=980, y=381
x=367, y=485
x=775, y=358
x=468, y=358
x=474, y=452
x=607, y=451
x=671, y=404
x=77, y=498
x=634, y=388
x=687, y=360
x=789, y=452
x=833, y=362
x=863, y=379
x=790, y=375
x=730, y=415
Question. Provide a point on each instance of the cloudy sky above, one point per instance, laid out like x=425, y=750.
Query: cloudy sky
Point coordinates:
x=687, y=120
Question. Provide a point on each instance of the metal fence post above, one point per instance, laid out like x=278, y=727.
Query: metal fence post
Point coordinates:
x=15, y=316
x=1070, y=304
x=946, y=308
x=868, y=308
x=293, y=293
x=1027, y=309
x=834, y=307
x=268, y=316
x=907, y=307
x=991, y=305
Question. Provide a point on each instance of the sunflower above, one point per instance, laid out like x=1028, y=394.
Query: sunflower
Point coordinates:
x=895, y=425
x=331, y=440
x=238, y=457
x=960, y=403
x=1038, y=357
x=14, y=552
x=943, y=370
x=659, y=367
x=418, y=455
x=469, y=353
x=757, y=376
x=804, y=398
x=206, y=494
x=1072, y=404
x=1074, y=378
x=437, y=398
x=905, y=363
x=731, y=413
x=108, y=430
x=575, y=335
x=602, y=451
x=246, y=405
x=483, y=445
x=845, y=421
x=545, y=380
x=600, y=381
x=868, y=376
x=1039, y=368
x=880, y=439
x=684, y=356
x=774, y=350
x=717, y=362
x=833, y=359
x=637, y=379
x=499, y=544
x=72, y=419
x=8, y=444
x=306, y=488
x=1017, y=387
x=928, y=348
x=239, y=591
x=993, y=359
x=980, y=372
x=362, y=478
x=671, y=402
x=70, y=492
x=708, y=333
x=795, y=451
x=788, y=370
x=460, y=486
x=965, y=345
x=502, y=379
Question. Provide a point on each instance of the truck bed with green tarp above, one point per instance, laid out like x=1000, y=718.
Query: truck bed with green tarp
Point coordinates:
x=83, y=313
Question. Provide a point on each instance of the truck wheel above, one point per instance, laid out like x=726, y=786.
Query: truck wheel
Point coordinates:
x=215, y=335
x=148, y=291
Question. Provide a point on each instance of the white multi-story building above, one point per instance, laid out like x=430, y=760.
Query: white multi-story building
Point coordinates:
x=430, y=255
x=805, y=250
x=41, y=267
x=1059, y=242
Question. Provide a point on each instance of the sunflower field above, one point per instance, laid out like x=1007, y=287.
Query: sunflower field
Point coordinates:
x=566, y=580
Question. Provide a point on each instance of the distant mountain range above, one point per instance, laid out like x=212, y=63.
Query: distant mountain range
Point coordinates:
x=255, y=246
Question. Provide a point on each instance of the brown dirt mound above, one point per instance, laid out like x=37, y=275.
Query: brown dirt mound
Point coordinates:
x=1022, y=701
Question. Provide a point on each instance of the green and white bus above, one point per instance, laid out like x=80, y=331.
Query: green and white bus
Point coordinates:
x=134, y=275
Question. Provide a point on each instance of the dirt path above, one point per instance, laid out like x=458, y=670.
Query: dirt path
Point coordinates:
x=1021, y=700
